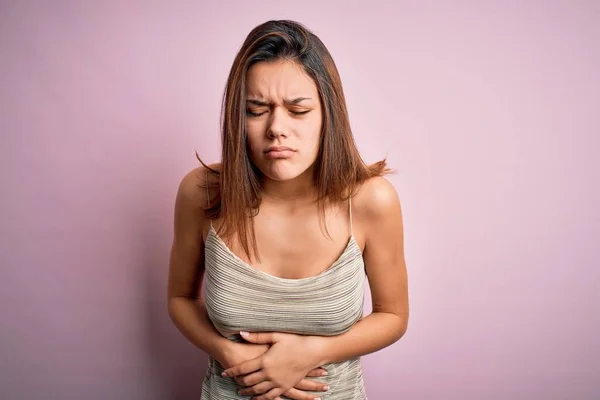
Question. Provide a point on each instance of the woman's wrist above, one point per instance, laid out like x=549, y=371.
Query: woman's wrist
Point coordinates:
x=319, y=346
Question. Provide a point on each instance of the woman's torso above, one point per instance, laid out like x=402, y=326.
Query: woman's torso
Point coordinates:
x=239, y=296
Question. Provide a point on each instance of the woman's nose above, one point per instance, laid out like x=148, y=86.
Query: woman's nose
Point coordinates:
x=278, y=123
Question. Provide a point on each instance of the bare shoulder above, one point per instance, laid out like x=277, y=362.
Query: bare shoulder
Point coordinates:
x=376, y=198
x=192, y=198
x=376, y=211
x=192, y=188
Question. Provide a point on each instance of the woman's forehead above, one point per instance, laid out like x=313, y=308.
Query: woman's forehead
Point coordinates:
x=285, y=79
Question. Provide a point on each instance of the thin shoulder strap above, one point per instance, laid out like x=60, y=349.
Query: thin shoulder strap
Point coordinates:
x=208, y=196
x=350, y=212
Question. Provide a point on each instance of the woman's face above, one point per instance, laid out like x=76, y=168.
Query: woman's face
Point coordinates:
x=283, y=119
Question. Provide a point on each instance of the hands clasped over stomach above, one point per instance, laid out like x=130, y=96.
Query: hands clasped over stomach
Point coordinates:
x=272, y=364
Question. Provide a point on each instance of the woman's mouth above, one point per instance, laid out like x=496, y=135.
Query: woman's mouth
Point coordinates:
x=279, y=152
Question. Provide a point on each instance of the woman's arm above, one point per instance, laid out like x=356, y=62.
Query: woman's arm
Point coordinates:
x=186, y=268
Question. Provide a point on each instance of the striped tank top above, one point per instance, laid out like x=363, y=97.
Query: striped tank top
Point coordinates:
x=239, y=297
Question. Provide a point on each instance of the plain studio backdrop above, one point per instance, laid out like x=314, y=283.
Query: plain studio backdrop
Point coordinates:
x=488, y=110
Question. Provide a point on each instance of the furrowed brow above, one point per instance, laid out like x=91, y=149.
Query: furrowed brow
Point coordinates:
x=258, y=102
x=297, y=100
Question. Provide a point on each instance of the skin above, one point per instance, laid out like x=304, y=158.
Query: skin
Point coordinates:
x=292, y=245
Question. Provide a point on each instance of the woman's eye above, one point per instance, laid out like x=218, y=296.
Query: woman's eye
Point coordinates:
x=253, y=114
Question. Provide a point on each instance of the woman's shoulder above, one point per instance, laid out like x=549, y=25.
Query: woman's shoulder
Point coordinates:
x=198, y=184
x=202, y=175
x=375, y=198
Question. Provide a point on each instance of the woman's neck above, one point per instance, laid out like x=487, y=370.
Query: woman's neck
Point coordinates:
x=298, y=190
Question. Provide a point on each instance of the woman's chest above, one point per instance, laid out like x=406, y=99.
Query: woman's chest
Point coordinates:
x=239, y=297
x=295, y=248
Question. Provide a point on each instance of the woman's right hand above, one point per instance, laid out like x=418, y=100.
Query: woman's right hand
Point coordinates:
x=237, y=353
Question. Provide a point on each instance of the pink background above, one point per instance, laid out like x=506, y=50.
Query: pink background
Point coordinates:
x=490, y=112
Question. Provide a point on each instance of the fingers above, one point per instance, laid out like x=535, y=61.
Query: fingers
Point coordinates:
x=299, y=395
x=317, y=372
x=251, y=379
x=270, y=395
x=260, y=388
x=259, y=337
x=244, y=368
x=313, y=386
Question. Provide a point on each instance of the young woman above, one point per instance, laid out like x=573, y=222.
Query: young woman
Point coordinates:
x=283, y=233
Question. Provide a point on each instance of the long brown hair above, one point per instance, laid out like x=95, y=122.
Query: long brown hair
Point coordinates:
x=339, y=169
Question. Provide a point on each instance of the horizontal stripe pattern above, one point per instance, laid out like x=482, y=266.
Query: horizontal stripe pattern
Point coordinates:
x=240, y=297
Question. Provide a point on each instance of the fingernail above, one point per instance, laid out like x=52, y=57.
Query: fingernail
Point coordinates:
x=243, y=333
x=323, y=373
x=325, y=388
x=224, y=374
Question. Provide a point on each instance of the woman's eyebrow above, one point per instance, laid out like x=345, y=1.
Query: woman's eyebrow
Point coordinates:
x=286, y=101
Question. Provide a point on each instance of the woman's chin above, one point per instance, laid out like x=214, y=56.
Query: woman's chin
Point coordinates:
x=283, y=176
x=282, y=172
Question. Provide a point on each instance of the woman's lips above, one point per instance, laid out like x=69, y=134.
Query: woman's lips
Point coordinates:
x=278, y=154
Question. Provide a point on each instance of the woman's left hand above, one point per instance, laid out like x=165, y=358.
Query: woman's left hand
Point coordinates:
x=288, y=361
